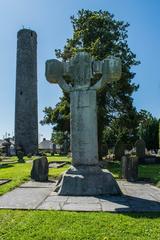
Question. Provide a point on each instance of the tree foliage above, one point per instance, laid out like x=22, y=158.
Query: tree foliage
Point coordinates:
x=98, y=33
x=148, y=129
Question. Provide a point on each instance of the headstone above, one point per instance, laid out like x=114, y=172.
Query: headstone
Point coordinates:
x=104, y=150
x=130, y=167
x=26, y=113
x=65, y=148
x=39, y=170
x=119, y=150
x=85, y=177
x=140, y=150
x=53, y=149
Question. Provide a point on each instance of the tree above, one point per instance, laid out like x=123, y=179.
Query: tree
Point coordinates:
x=59, y=118
x=98, y=33
x=122, y=129
x=148, y=129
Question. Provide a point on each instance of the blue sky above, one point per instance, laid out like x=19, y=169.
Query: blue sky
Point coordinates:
x=51, y=20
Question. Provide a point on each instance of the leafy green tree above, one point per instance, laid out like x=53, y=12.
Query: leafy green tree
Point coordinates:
x=121, y=129
x=58, y=137
x=148, y=129
x=98, y=33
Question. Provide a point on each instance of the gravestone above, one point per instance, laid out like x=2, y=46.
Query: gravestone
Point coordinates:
x=130, y=167
x=140, y=150
x=85, y=177
x=119, y=150
x=39, y=170
x=104, y=150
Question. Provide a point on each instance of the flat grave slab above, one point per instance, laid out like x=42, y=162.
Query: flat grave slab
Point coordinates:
x=24, y=198
x=34, y=184
x=3, y=181
x=57, y=164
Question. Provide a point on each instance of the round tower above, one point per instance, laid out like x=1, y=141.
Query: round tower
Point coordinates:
x=26, y=114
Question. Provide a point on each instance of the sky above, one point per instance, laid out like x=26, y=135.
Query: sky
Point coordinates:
x=51, y=20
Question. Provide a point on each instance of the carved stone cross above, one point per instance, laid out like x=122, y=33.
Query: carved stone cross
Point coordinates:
x=81, y=70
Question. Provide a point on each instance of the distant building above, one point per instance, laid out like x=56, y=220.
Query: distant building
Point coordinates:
x=7, y=146
x=47, y=146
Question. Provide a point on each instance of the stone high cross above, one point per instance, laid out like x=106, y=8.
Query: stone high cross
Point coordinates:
x=85, y=176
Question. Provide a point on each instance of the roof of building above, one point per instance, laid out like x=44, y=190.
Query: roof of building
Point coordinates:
x=46, y=144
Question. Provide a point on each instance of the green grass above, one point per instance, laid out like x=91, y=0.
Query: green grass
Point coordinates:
x=149, y=171
x=59, y=158
x=56, y=225
x=20, y=172
x=17, y=172
x=51, y=225
x=152, y=172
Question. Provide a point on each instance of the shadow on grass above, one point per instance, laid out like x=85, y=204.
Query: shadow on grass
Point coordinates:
x=6, y=165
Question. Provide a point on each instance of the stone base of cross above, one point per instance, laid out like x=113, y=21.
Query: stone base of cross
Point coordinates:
x=85, y=177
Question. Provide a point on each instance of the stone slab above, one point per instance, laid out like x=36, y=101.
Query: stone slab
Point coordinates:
x=34, y=184
x=57, y=165
x=24, y=198
x=4, y=181
x=108, y=206
x=77, y=200
x=83, y=207
x=51, y=198
x=51, y=206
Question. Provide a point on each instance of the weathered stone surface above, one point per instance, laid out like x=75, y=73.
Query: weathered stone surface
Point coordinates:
x=39, y=170
x=119, y=150
x=140, y=148
x=57, y=164
x=85, y=178
x=84, y=199
x=90, y=181
x=33, y=184
x=51, y=206
x=24, y=198
x=111, y=206
x=26, y=117
x=85, y=207
x=4, y=181
x=130, y=168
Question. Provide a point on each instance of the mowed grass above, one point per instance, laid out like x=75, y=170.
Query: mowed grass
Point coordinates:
x=55, y=225
x=60, y=225
x=150, y=172
x=20, y=172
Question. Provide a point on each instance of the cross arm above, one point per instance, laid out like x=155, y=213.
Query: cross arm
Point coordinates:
x=109, y=69
x=54, y=72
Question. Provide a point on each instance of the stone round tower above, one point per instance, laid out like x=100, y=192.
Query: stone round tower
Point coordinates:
x=26, y=115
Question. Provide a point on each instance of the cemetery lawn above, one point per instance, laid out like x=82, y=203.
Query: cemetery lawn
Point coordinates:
x=148, y=172
x=56, y=225
x=20, y=172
